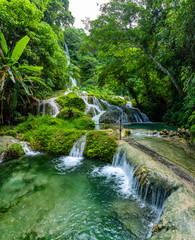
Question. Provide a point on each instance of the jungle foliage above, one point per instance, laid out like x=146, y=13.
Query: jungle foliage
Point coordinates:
x=139, y=49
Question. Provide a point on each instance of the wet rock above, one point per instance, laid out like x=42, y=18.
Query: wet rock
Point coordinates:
x=155, y=132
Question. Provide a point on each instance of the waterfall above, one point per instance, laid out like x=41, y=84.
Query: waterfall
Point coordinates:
x=78, y=147
x=93, y=107
x=149, y=193
x=49, y=106
x=73, y=80
x=27, y=150
x=75, y=157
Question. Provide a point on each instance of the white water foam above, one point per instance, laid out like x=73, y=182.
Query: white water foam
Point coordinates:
x=68, y=163
x=116, y=174
x=75, y=157
x=27, y=150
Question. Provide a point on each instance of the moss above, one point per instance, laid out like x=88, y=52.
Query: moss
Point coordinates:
x=70, y=113
x=12, y=133
x=63, y=141
x=71, y=100
x=117, y=101
x=84, y=122
x=14, y=150
x=100, y=145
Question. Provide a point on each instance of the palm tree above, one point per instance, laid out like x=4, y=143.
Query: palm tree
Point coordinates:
x=15, y=80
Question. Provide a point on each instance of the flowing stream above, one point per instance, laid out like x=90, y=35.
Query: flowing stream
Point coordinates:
x=71, y=197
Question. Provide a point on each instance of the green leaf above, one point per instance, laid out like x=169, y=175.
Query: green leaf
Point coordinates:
x=25, y=88
x=31, y=68
x=3, y=43
x=19, y=48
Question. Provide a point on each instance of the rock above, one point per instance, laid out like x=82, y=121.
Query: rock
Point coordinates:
x=155, y=225
x=155, y=132
x=188, y=132
x=171, y=134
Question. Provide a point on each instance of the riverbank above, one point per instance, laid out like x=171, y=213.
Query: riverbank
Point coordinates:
x=154, y=172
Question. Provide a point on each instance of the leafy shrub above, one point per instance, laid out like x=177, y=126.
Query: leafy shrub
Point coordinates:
x=71, y=100
x=117, y=101
x=70, y=113
x=100, y=145
x=84, y=122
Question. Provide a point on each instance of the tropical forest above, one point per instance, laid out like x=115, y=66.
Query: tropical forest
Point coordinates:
x=97, y=124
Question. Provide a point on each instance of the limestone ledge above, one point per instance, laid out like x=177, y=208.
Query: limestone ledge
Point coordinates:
x=177, y=220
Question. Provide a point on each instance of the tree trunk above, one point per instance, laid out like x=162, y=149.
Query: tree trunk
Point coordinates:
x=2, y=120
x=160, y=66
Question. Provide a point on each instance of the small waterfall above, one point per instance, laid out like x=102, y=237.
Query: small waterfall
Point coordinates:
x=75, y=157
x=149, y=193
x=73, y=80
x=27, y=150
x=49, y=106
x=125, y=117
x=93, y=107
x=78, y=147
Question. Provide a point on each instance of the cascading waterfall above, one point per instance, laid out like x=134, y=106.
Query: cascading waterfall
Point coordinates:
x=94, y=108
x=49, y=106
x=27, y=150
x=78, y=148
x=73, y=80
x=149, y=193
x=75, y=156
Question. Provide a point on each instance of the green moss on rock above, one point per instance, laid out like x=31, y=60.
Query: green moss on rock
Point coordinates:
x=13, y=151
x=71, y=100
x=70, y=113
x=117, y=101
x=100, y=145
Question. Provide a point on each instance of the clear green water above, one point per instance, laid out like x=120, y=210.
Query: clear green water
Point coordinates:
x=150, y=126
x=47, y=198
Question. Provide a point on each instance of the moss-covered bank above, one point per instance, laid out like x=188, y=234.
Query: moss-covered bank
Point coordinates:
x=58, y=136
x=100, y=145
x=10, y=150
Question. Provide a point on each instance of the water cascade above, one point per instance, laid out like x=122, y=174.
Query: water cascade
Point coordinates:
x=93, y=107
x=75, y=156
x=27, y=150
x=73, y=80
x=49, y=106
x=148, y=192
x=78, y=147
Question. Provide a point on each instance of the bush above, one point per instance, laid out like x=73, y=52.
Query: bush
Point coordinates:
x=100, y=145
x=70, y=113
x=71, y=100
x=117, y=101
x=84, y=122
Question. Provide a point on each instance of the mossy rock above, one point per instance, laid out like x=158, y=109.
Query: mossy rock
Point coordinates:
x=117, y=101
x=70, y=113
x=13, y=151
x=85, y=123
x=71, y=100
x=100, y=145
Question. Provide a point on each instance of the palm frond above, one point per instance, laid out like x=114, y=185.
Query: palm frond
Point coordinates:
x=3, y=44
x=19, y=48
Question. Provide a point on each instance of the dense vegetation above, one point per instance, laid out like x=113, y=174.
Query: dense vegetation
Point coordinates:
x=142, y=50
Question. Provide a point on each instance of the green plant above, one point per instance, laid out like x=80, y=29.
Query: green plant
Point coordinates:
x=70, y=113
x=71, y=100
x=12, y=151
x=100, y=145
